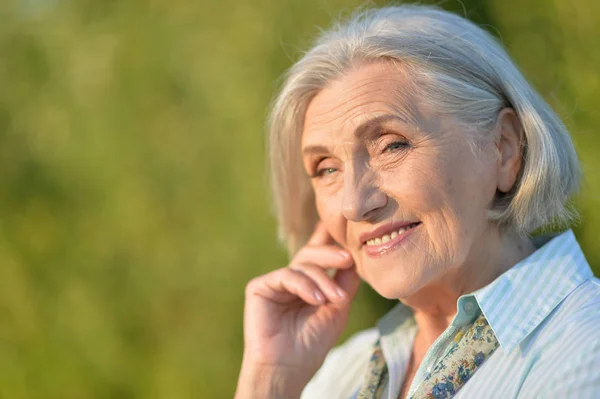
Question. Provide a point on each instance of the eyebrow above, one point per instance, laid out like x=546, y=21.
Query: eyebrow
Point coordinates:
x=361, y=130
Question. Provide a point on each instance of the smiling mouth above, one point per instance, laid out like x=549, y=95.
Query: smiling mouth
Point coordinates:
x=384, y=243
x=384, y=239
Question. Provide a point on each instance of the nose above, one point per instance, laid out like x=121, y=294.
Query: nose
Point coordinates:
x=361, y=197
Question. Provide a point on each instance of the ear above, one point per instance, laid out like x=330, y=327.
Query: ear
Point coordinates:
x=510, y=137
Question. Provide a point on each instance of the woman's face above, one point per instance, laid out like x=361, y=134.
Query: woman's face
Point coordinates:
x=396, y=185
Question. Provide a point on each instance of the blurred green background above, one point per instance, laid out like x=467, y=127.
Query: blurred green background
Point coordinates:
x=133, y=191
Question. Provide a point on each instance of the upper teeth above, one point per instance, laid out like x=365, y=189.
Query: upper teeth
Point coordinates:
x=387, y=237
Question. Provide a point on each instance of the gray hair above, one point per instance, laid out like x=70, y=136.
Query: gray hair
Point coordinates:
x=457, y=69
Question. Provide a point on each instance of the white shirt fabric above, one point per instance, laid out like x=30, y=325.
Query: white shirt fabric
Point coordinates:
x=545, y=312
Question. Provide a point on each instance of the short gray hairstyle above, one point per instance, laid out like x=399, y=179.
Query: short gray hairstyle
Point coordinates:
x=457, y=69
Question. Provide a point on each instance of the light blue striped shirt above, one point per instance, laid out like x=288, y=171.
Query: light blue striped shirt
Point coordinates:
x=545, y=312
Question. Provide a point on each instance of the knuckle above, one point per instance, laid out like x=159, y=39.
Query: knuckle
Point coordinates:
x=293, y=276
x=290, y=271
x=296, y=273
x=256, y=282
x=253, y=284
x=302, y=267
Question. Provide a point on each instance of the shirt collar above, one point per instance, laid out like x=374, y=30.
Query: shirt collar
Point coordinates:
x=398, y=318
x=520, y=299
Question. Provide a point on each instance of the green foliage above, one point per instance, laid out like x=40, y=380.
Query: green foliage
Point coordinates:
x=133, y=203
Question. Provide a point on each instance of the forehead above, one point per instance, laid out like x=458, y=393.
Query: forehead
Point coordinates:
x=363, y=93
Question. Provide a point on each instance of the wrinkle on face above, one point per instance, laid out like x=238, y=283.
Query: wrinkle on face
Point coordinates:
x=345, y=109
x=435, y=179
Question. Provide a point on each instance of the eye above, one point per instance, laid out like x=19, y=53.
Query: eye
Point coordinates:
x=396, y=145
x=322, y=172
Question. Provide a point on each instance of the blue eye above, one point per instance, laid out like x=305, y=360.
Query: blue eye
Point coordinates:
x=324, y=172
x=396, y=145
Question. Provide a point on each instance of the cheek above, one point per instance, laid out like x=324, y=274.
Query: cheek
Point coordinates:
x=431, y=196
x=418, y=193
x=329, y=210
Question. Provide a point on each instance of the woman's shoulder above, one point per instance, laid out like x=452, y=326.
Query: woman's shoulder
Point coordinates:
x=582, y=307
x=579, y=317
x=343, y=367
x=567, y=349
x=570, y=332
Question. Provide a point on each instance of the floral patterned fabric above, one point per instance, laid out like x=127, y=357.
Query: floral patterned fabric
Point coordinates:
x=470, y=349
x=466, y=354
x=376, y=376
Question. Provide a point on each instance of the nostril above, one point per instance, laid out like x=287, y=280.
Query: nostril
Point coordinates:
x=364, y=204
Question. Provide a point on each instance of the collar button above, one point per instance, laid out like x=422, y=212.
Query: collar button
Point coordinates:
x=469, y=308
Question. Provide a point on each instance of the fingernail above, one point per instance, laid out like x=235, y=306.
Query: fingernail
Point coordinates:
x=319, y=296
x=344, y=254
x=340, y=293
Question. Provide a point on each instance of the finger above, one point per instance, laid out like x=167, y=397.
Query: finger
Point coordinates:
x=326, y=256
x=333, y=292
x=349, y=281
x=321, y=236
x=286, y=285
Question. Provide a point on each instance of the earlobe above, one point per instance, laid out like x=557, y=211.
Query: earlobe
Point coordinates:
x=509, y=143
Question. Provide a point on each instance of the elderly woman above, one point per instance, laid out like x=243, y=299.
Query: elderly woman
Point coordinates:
x=430, y=160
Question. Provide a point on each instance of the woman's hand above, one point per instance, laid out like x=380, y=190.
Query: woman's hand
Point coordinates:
x=293, y=316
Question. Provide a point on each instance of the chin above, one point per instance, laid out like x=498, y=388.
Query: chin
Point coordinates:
x=396, y=280
x=393, y=288
x=389, y=293
x=396, y=274
x=394, y=292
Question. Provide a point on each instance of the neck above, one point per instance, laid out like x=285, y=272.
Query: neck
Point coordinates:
x=435, y=305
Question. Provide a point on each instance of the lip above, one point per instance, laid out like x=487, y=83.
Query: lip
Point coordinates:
x=375, y=250
x=382, y=230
